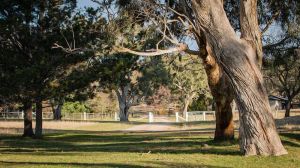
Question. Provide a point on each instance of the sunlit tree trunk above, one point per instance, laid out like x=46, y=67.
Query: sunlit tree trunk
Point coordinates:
x=185, y=107
x=238, y=60
x=27, y=108
x=223, y=95
x=188, y=99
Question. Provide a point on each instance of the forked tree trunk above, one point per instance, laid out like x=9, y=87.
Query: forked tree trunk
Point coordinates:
x=39, y=120
x=188, y=99
x=238, y=60
x=124, y=104
x=27, y=108
x=123, y=114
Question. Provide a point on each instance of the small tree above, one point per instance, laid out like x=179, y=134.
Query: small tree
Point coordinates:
x=189, y=79
x=129, y=77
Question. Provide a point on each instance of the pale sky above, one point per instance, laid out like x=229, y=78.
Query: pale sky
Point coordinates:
x=83, y=3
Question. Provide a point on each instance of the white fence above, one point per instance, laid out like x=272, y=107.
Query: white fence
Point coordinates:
x=196, y=116
x=66, y=116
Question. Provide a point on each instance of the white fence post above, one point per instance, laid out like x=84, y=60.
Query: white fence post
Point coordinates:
x=150, y=117
x=116, y=116
x=22, y=114
x=84, y=115
x=187, y=116
x=204, y=116
x=177, y=116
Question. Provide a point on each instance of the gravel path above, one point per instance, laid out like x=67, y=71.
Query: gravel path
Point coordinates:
x=160, y=124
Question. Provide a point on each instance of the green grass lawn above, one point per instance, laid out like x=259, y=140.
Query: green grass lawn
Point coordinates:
x=119, y=149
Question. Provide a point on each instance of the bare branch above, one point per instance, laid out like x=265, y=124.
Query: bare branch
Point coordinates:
x=180, y=48
x=269, y=23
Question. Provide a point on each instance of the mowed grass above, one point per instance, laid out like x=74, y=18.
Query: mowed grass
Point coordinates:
x=124, y=149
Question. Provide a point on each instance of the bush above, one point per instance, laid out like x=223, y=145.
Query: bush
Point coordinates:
x=75, y=107
x=200, y=104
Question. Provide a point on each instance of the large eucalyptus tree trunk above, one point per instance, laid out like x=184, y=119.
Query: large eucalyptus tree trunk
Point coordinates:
x=27, y=108
x=223, y=95
x=238, y=59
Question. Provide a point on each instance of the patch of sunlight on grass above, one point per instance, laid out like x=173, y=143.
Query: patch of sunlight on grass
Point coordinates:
x=119, y=149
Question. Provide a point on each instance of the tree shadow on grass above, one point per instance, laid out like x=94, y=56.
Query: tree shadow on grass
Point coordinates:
x=16, y=163
x=176, y=164
x=295, y=136
x=172, y=143
x=136, y=143
x=145, y=164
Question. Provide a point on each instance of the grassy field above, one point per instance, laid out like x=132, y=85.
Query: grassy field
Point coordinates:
x=111, y=148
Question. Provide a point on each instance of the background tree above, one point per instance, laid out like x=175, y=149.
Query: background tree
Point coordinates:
x=188, y=78
x=29, y=64
x=129, y=77
x=284, y=75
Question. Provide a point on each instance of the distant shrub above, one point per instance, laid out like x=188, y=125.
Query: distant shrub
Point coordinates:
x=75, y=107
x=200, y=104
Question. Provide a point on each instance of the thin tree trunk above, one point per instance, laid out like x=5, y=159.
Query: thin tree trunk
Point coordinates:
x=39, y=119
x=238, y=60
x=57, y=112
x=27, y=108
x=287, y=109
x=185, y=107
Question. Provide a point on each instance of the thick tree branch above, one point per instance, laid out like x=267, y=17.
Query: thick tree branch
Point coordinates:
x=180, y=48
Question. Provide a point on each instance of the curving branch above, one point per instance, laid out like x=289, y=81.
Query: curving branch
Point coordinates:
x=180, y=48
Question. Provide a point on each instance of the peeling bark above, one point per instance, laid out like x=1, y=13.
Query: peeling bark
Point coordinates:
x=238, y=60
x=223, y=95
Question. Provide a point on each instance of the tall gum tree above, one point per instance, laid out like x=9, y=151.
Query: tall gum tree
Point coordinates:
x=238, y=59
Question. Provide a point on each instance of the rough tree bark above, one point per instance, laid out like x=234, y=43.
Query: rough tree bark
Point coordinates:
x=124, y=103
x=27, y=108
x=238, y=60
x=223, y=96
x=222, y=93
x=39, y=119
